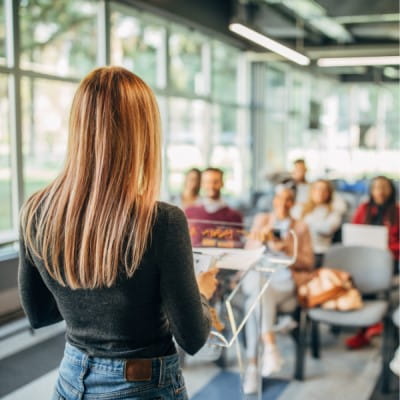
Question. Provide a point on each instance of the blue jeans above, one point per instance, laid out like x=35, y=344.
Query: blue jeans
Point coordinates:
x=82, y=377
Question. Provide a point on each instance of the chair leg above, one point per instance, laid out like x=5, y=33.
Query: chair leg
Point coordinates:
x=335, y=330
x=386, y=354
x=315, y=339
x=301, y=346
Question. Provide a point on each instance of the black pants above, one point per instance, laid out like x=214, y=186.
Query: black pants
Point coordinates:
x=319, y=260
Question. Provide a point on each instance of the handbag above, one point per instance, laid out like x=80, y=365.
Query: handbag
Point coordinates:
x=326, y=287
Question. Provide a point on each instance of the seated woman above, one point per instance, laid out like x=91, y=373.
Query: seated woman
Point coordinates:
x=321, y=217
x=274, y=229
x=190, y=195
x=380, y=209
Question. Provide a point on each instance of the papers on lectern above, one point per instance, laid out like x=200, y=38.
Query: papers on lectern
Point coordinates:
x=234, y=259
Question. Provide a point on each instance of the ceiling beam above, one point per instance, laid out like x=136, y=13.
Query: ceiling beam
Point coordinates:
x=352, y=51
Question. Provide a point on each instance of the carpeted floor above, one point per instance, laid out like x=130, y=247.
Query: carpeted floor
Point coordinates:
x=226, y=386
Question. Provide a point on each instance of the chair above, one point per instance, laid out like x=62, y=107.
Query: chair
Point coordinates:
x=371, y=270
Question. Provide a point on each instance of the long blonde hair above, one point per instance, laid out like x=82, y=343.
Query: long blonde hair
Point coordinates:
x=99, y=212
x=310, y=204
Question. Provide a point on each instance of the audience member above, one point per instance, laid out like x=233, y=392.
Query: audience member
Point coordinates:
x=274, y=229
x=299, y=177
x=191, y=189
x=380, y=209
x=321, y=217
x=213, y=209
x=303, y=190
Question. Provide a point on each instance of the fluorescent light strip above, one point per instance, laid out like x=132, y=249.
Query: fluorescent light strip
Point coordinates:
x=352, y=61
x=269, y=44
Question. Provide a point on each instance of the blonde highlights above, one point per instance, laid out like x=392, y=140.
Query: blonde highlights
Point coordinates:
x=99, y=212
x=310, y=204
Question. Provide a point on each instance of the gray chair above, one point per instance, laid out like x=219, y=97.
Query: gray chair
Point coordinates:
x=371, y=270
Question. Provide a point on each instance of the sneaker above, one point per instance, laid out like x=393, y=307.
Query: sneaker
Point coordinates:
x=357, y=341
x=395, y=363
x=285, y=324
x=374, y=330
x=250, y=382
x=272, y=360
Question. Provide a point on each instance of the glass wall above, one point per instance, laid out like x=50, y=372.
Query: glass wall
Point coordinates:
x=2, y=33
x=204, y=118
x=58, y=37
x=188, y=52
x=342, y=130
x=45, y=106
x=5, y=161
x=138, y=44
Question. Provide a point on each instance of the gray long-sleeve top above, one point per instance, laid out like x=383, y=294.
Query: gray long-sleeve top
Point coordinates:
x=137, y=316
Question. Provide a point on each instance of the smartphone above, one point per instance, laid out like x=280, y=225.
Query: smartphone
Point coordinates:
x=277, y=233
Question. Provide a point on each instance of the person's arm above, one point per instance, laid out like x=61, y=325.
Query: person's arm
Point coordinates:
x=359, y=215
x=187, y=311
x=258, y=231
x=305, y=254
x=394, y=237
x=36, y=299
x=328, y=225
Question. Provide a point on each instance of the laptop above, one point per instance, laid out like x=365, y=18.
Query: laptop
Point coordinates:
x=365, y=235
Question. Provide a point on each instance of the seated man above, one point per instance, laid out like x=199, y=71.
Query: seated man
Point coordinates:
x=212, y=208
x=274, y=228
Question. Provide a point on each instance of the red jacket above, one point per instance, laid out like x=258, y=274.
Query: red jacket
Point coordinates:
x=394, y=229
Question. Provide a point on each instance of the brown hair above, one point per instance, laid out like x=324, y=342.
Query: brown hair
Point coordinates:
x=389, y=206
x=98, y=213
x=310, y=205
x=214, y=169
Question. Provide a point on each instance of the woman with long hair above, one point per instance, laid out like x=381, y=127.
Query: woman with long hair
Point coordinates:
x=190, y=195
x=273, y=228
x=321, y=217
x=381, y=208
x=100, y=252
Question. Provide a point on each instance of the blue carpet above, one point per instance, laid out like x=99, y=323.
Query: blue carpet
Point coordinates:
x=226, y=385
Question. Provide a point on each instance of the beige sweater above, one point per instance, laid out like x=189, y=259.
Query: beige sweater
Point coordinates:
x=263, y=223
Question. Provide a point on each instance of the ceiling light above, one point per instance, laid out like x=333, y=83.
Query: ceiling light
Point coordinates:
x=349, y=61
x=269, y=44
x=365, y=19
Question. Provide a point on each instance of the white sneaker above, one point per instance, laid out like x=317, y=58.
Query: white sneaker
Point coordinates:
x=272, y=360
x=285, y=324
x=250, y=383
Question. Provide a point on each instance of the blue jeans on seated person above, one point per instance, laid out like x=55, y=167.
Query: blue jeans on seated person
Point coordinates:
x=82, y=377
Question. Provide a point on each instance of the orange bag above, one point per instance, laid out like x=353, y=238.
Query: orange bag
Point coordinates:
x=327, y=285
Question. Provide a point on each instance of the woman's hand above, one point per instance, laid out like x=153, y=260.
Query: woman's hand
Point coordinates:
x=208, y=282
x=277, y=245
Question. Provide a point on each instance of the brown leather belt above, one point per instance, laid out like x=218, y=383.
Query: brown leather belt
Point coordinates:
x=138, y=370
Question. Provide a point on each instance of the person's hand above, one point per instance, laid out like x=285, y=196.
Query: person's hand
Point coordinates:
x=207, y=282
x=277, y=245
x=261, y=235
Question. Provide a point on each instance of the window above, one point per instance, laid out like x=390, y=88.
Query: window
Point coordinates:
x=46, y=106
x=276, y=95
x=138, y=44
x=2, y=33
x=58, y=37
x=231, y=147
x=188, y=138
x=187, y=58
x=6, y=224
x=225, y=74
x=391, y=100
